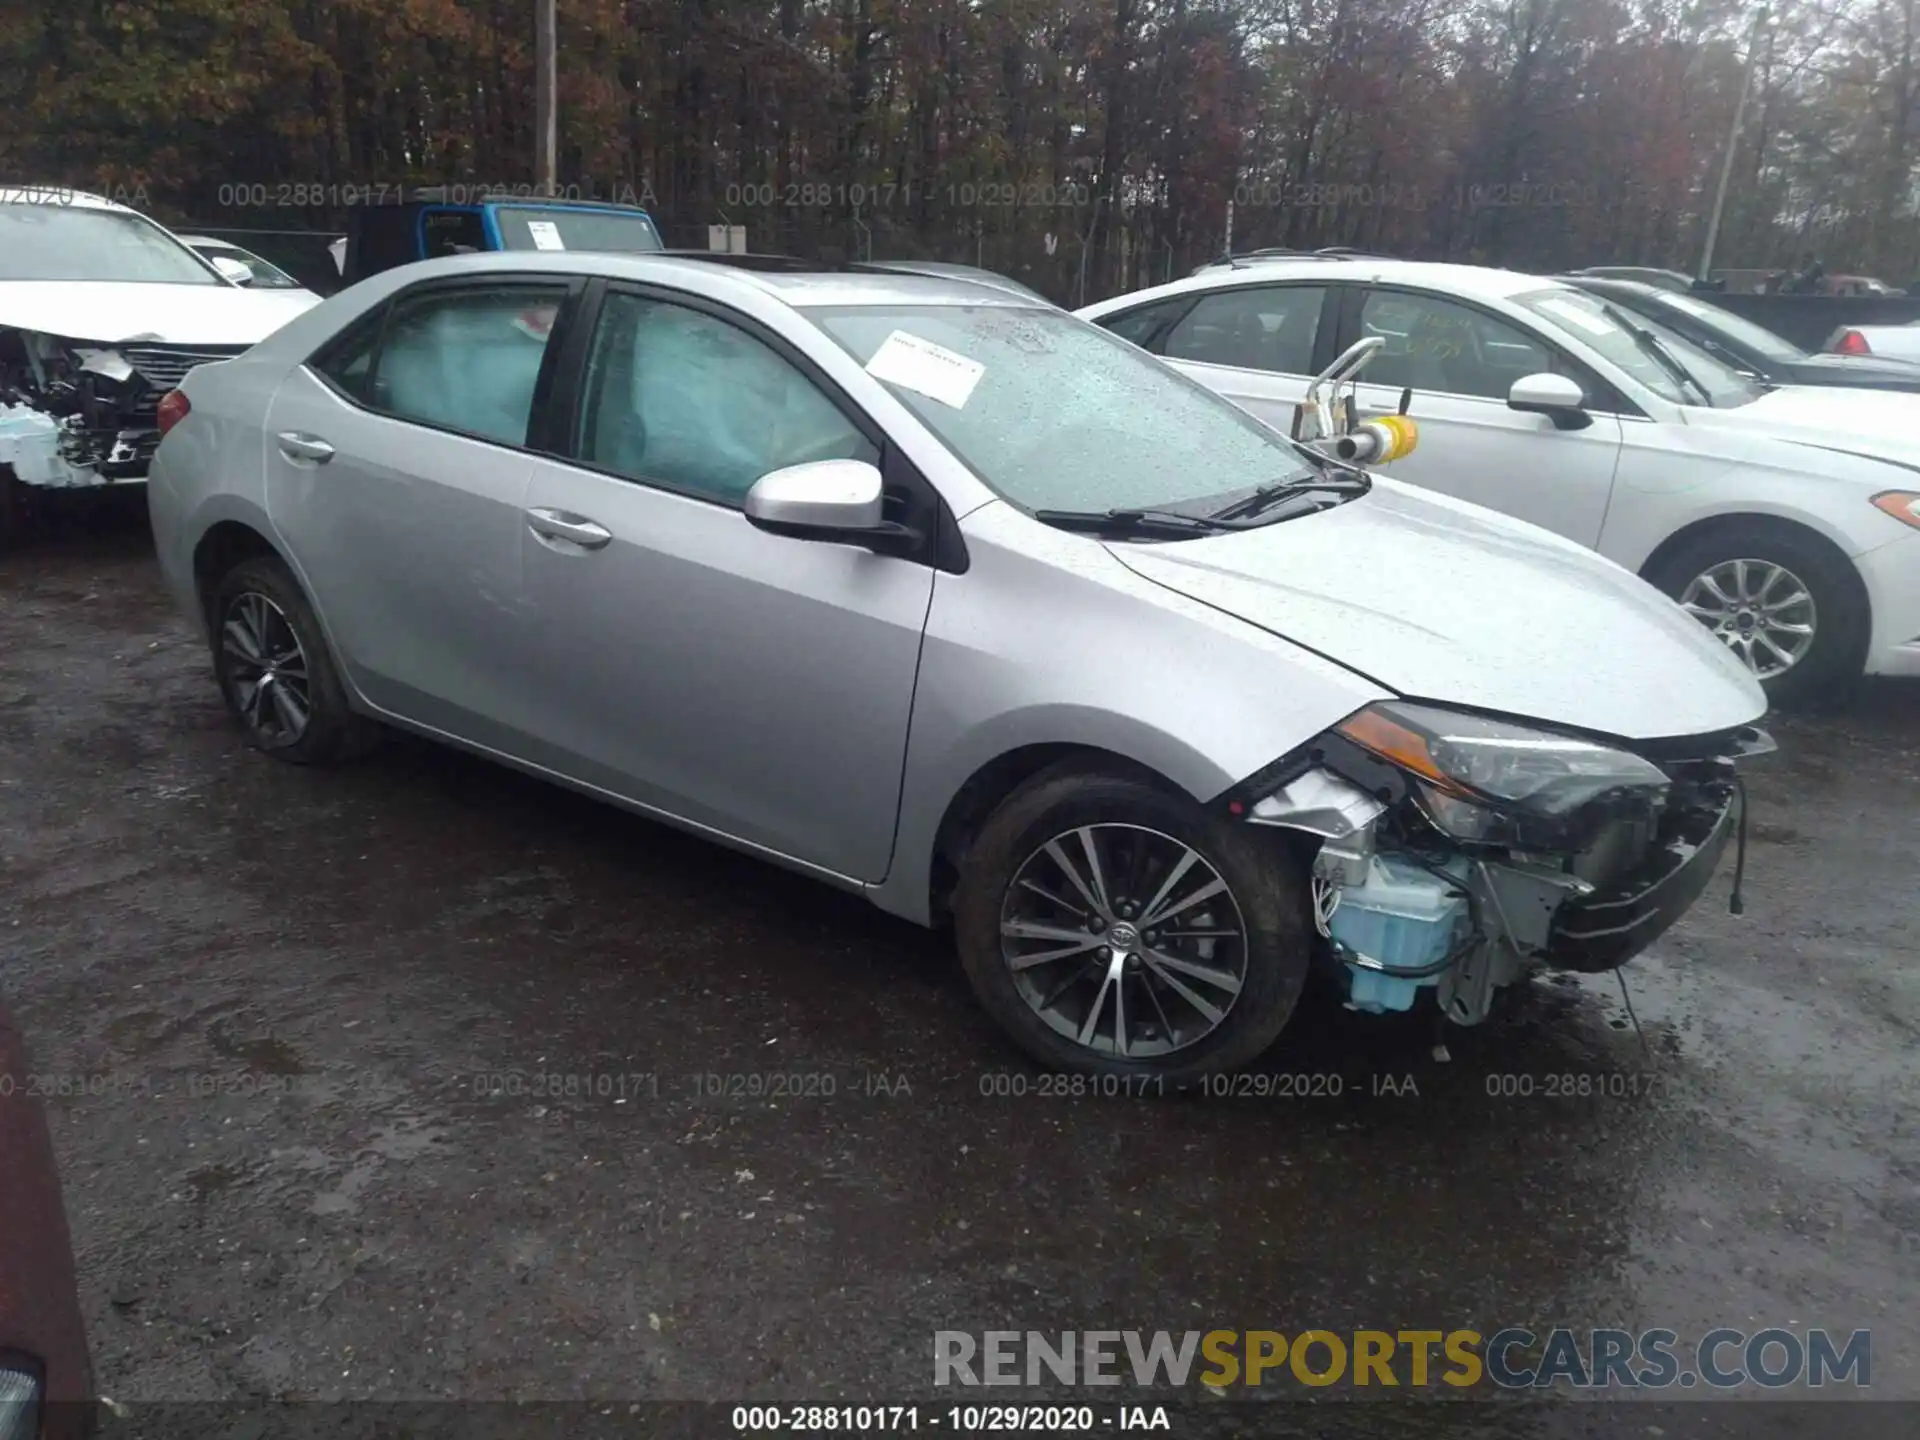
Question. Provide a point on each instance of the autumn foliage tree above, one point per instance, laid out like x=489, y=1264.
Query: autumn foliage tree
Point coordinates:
x=1085, y=145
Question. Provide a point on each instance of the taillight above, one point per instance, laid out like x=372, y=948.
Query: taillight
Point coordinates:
x=1851, y=342
x=172, y=410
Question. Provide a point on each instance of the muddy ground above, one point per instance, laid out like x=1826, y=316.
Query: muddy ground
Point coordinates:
x=289, y=999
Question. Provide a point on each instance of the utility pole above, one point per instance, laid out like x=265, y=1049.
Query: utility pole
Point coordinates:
x=546, y=136
x=1733, y=143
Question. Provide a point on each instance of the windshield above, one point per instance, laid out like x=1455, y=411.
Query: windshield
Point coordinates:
x=1056, y=414
x=1599, y=325
x=47, y=241
x=1743, y=332
x=547, y=228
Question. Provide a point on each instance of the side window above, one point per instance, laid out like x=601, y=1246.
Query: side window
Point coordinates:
x=347, y=361
x=465, y=359
x=1438, y=345
x=1266, y=327
x=683, y=399
x=1144, y=325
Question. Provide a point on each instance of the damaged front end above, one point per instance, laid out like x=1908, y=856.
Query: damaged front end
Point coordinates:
x=79, y=413
x=1460, y=853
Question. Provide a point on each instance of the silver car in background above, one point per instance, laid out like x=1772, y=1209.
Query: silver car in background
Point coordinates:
x=947, y=597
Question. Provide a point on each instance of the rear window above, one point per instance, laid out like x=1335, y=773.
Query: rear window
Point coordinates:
x=545, y=228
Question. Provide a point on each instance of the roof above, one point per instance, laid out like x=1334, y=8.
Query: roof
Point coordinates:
x=1479, y=281
x=799, y=287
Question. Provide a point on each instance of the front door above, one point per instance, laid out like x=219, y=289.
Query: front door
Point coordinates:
x=749, y=683
x=1460, y=361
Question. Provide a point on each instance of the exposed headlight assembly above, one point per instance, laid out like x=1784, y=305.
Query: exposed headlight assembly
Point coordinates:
x=1497, y=783
x=19, y=1401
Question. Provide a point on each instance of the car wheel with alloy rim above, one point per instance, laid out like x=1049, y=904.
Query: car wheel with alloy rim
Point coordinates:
x=1783, y=600
x=1114, y=927
x=275, y=672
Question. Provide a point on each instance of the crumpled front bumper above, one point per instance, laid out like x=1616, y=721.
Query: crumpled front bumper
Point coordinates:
x=1605, y=929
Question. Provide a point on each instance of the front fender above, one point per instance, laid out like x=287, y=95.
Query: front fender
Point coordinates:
x=1663, y=488
x=1049, y=640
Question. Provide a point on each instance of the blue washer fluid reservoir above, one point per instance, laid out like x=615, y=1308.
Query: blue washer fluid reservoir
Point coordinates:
x=1406, y=918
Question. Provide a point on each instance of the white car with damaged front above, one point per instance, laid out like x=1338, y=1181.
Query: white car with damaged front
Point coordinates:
x=1785, y=519
x=101, y=313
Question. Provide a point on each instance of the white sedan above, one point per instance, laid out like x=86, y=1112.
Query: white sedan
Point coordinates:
x=1785, y=519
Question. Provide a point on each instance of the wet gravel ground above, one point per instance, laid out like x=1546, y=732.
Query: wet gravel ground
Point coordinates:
x=418, y=1079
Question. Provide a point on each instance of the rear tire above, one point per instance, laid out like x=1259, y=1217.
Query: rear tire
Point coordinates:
x=1760, y=626
x=1240, y=950
x=275, y=671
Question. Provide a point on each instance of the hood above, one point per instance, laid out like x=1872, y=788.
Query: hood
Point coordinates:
x=1879, y=424
x=114, y=312
x=1443, y=601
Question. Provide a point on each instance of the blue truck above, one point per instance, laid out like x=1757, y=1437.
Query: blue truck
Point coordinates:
x=380, y=237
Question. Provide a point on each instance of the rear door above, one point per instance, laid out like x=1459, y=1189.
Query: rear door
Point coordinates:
x=751, y=684
x=397, y=472
x=1461, y=360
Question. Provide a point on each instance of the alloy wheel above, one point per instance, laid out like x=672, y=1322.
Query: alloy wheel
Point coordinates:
x=1125, y=940
x=266, y=670
x=1761, y=611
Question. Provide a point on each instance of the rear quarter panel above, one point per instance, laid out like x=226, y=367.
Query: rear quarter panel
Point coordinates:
x=212, y=466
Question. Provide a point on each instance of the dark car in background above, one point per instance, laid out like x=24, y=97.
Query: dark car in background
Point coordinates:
x=46, y=1374
x=1746, y=346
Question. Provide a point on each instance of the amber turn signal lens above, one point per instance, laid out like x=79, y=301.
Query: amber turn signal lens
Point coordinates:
x=1902, y=505
x=1403, y=745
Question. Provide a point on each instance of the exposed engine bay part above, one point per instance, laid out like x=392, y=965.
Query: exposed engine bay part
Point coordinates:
x=77, y=413
x=1410, y=894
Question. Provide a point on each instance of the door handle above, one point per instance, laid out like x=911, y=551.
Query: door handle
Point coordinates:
x=1374, y=412
x=559, y=525
x=296, y=446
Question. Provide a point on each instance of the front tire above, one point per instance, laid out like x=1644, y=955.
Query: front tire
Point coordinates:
x=275, y=671
x=1783, y=600
x=1114, y=928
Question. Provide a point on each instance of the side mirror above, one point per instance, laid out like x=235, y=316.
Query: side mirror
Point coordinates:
x=232, y=270
x=834, y=500
x=1555, y=396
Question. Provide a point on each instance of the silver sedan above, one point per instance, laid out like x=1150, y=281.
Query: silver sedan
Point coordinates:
x=939, y=594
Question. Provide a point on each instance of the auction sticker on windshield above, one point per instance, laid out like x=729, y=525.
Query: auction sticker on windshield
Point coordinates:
x=546, y=235
x=926, y=369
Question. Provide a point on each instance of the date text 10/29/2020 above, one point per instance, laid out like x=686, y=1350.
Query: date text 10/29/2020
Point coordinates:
x=959, y=1419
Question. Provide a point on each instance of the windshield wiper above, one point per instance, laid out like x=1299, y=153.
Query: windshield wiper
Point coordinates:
x=1122, y=522
x=1267, y=496
x=1662, y=357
